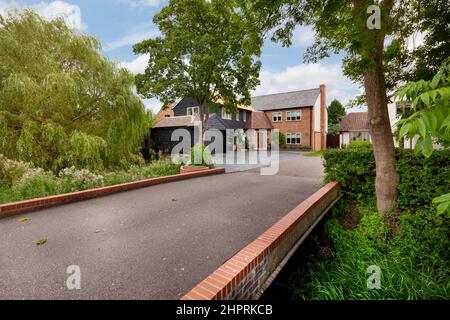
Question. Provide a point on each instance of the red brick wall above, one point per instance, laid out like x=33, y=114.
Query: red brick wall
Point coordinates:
x=303, y=126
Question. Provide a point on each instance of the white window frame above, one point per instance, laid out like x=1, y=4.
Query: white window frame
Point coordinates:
x=191, y=111
x=278, y=115
x=225, y=115
x=245, y=116
x=238, y=116
x=293, y=115
x=294, y=135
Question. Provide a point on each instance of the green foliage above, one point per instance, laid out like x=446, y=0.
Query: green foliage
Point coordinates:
x=433, y=17
x=334, y=129
x=431, y=103
x=359, y=145
x=281, y=139
x=421, y=178
x=335, y=112
x=431, y=118
x=200, y=156
x=354, y=169
x=22, y=181
x=206, y=51
x=411, y=250
x=61, y=102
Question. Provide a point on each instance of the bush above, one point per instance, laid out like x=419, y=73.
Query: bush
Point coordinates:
x=200, y=155
x=71, y=179
x=36, y=183
x=281, y=139
x=411, y=251
x=21, y=181
x=421, y=179
x=359, y=145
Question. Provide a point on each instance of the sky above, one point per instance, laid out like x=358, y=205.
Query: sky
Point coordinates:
x=119, y=24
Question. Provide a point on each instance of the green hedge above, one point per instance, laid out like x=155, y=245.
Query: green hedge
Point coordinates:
x=421, y=179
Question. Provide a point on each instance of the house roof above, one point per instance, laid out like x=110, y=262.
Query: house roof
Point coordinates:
x=171, y=122
x=191, y=102
x=258, y=120
x=165, y=112
x=355, y=121
x=287, y=100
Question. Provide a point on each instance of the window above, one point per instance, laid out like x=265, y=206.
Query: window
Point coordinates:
x=167, y=116
x=245, y=116
x=293, y=138
x=277, y=117
x=293, y=115
x=238, y=116
x=193, y=111
x=225, y=115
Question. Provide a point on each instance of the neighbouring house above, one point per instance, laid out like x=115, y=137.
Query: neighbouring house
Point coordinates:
x=301, y=116
x=354, y=127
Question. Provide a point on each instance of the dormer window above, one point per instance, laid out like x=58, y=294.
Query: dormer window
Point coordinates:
x=238, y=116
x=226, y=115
x=193, y=111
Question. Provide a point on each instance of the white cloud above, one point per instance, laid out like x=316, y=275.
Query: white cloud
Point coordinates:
x=130, y=40
x=308, y=76
x=140, y=4
x=136, y=66
x=153, y=104
x=50, y=10
x=303, y=36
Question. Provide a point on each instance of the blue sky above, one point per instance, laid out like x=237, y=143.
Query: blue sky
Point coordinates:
x=119, y=24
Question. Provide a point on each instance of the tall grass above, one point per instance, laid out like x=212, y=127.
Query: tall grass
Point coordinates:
x=411, y=248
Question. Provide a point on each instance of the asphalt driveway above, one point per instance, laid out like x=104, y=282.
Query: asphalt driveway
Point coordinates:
x=151, y=243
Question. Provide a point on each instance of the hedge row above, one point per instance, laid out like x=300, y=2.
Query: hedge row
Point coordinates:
x=421, y=179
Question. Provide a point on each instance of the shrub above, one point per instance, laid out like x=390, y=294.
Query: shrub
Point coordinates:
x=421, y=179
x=282, y=138
x=200, y=155
x=71, y=179
x=35, y=183
x=11, y=171
x=359, y=144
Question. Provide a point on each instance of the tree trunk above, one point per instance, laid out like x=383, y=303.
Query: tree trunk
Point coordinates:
x=204, y=118
x=387, y=178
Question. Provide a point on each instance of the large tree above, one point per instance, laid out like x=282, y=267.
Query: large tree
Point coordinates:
x=206, y=51
x=335, y=112
x=61, y=102
x=369, y=36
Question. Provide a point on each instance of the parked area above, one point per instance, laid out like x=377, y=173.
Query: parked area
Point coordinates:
x=151, y=243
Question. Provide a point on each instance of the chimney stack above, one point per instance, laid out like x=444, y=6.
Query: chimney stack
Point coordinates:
x=323, y=116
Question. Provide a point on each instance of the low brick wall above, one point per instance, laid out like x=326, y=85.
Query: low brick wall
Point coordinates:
x=247, y=275
x=14, y=208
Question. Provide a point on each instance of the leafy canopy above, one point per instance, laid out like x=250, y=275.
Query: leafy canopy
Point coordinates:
x=431, y=118
x=206, y=51
x=61, y=102
x=335, y=112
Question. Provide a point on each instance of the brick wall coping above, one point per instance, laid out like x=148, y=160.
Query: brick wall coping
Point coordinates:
x=221, y=282
x=15, y=208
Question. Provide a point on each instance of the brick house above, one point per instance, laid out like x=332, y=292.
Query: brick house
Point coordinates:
x=301, y=116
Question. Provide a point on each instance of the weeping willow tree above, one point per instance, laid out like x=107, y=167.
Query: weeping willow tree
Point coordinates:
x=61, y=102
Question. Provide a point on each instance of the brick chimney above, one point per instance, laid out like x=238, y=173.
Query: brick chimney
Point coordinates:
x=323, y=117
